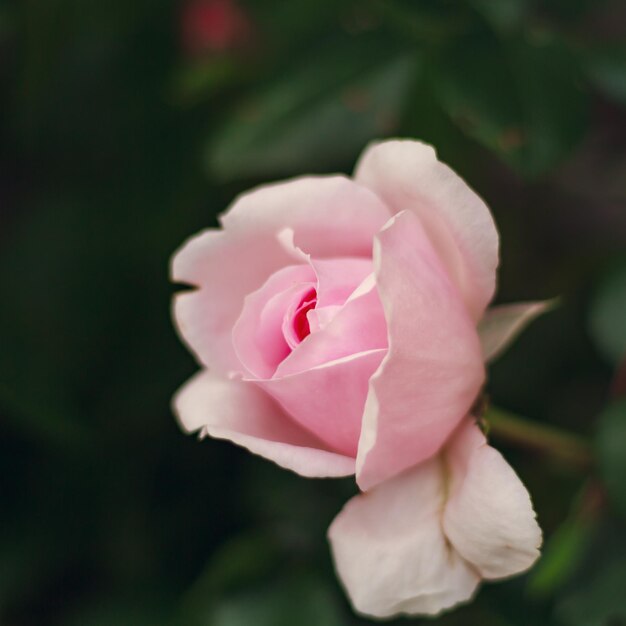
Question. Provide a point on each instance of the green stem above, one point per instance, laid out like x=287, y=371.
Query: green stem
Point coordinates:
x=567, y=448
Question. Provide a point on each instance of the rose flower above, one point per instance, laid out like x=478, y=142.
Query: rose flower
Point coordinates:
x=336, y=323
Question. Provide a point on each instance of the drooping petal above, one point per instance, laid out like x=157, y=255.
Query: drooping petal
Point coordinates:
x=433, y=370
x=502, y=324
x=407, y=176
x=330, y=216
x=246, y=415
x=328, y=399
x=390, y=551
x=489, y=518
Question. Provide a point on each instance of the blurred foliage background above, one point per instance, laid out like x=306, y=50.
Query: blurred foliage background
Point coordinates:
x=127, y=126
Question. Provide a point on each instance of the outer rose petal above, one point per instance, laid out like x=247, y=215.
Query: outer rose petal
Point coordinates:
x=502, y=324
x=225, y=267
x=433, y=370
x=244, y=414
x=330, y=216
x=407, y=176
x=390, y=551
x=489, y=517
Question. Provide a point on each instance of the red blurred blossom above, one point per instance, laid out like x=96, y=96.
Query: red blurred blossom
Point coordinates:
x=214, y=26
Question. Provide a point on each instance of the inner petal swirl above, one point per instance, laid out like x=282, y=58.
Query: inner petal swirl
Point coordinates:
x=296, y=325
x=294, y=305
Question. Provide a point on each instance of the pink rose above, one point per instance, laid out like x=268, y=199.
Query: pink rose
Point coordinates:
x=337, y=321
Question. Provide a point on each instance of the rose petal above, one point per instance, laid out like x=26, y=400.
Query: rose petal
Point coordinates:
x=502, y=324
x=489, y=517
x=247, y=416
x=338, y=278
x=406, y=175
x=258, y=335
x=433, y=370
x=328, y=399
x=390, y=551
x=225, y=267
x=329, y=216
x=358, y=326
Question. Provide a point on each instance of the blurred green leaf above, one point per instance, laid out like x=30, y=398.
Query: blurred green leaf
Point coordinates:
x=206, y=78
x=246, y=557
x=314, y=118
x=595, y=597
x=503, y=15
x=607, y=70
x=608, y=315
x=554, y=106
x=477, y=89
x=562, y=555
x=303, y=601
x=238, y=564
x=426, y=23
x=611, y=452
x=520, y=100
x=600, y=601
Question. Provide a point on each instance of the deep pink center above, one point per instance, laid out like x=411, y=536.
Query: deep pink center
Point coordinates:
x=300, y=321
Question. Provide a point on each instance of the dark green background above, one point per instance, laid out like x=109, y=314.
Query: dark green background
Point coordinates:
x=116, y=144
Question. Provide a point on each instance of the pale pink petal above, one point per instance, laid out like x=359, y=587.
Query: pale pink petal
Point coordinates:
x=406, y=175
x=433, y=370
x=225, y=267
x=390, y=551
x=338, y=278
x=258, y=335
x=358, y=326
x=502, y=324
x=328, y=399
x=489, y=518
x=244, y=414
x=330, y=216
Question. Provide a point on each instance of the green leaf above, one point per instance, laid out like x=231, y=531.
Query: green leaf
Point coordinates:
x=611, y=452
x=476, y=88
x=206, y=78
x=246, y=557
x=606, y=69
x=561, y=556
x=520, y=100
x=303, y=601
x=503, y=15
x=315, y=118
x=597, y=598
x=601, y=603
x=608, y=315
